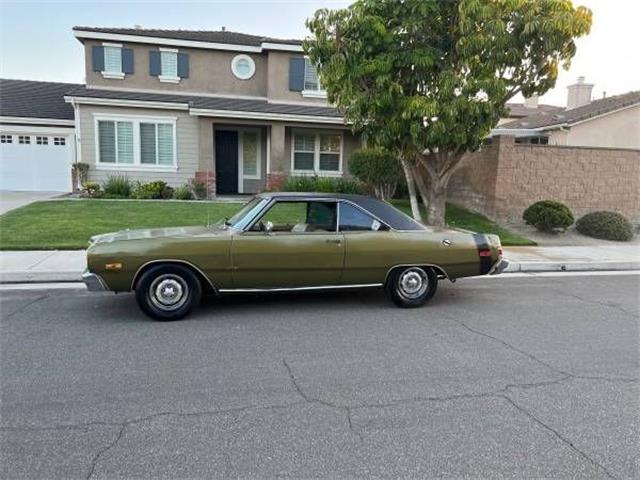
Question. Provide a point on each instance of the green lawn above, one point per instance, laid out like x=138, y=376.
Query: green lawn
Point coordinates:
x=68, y=224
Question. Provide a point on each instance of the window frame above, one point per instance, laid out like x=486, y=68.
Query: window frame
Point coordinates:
x=319, y=92
x=252, y=67
x=24, y=139
x=59, y=141
x=136, y=120
x=6, y=138
x=384, y=227
x=112, y=74
x=168, y=78
x=273, y=202
x=258, y=175
x=316, y=153
x=42, y=140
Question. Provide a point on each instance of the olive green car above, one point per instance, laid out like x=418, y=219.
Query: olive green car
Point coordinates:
x=288, y=241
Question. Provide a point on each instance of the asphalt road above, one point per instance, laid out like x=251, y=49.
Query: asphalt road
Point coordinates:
x=502, y=377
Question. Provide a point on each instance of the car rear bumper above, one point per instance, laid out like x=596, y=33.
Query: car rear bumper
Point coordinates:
x=499, y=267
x=93, y=282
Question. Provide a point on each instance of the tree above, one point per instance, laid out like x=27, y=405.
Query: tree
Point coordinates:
x=429, y=79
x=377, y=168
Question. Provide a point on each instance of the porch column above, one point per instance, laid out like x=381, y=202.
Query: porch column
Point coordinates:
x=278, y=167
x=206, y=172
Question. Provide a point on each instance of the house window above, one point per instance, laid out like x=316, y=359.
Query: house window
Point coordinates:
x=169, y=65
x=250, y=154
x=6, y=139
x=42, y=140
x=113, y=59
x=59, y=141
x=24, y=139
x=156, y=143
x=243, y=67
x=533, y=140
x=319, y=153
x=312, y=86
x=136, y=142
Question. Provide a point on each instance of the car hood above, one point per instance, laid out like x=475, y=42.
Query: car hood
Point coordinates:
x=170, y=232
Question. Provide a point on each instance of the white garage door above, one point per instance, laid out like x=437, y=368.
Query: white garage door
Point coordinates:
x=36, y=166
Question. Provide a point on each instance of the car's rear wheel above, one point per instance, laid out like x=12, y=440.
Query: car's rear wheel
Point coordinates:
x=410, y=287
x=168, y=292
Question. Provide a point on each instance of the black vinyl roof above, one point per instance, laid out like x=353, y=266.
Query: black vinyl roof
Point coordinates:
x=382, y=210
x=27, y=98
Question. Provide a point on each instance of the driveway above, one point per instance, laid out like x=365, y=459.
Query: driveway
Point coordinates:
x=496, y=377
x=11, y=199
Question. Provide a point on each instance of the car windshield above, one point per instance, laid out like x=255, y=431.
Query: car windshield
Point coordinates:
x=246, y=213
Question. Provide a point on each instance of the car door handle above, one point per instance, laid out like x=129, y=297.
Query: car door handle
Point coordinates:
x=336, y=241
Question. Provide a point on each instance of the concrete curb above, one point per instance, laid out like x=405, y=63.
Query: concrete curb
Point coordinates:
x=514, y=267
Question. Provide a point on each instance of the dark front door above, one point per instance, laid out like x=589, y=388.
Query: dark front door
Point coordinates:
x=226, y=162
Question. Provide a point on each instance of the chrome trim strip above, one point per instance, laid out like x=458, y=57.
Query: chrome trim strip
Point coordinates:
x=171, y=260
x=93, y=282
x=417, y=265
x=298, y=289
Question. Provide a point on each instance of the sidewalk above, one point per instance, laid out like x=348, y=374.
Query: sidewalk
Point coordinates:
x=67, y=266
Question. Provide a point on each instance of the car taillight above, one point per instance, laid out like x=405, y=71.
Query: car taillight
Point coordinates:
x=484, y=253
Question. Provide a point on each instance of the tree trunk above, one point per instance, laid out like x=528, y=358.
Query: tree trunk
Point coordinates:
x=415, y=209
x=422, y=186
x=437, y=201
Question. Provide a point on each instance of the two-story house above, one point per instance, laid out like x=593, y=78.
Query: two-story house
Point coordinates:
x=241, y=112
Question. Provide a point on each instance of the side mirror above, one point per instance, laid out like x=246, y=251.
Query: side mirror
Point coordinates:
x=268, y=227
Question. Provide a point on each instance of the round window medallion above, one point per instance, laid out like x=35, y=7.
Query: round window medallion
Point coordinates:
x=243, y=67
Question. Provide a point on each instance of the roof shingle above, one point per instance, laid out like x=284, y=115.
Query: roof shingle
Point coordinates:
x=568, y=117
x=27, y=98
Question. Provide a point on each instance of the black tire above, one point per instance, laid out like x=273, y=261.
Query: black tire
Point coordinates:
x=168, y=292
x=410, y=287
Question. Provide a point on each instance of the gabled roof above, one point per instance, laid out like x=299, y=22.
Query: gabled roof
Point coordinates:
x=519, y=110
x=212, y=103
x=31, y=99
x=207, y=36
x=569, y=117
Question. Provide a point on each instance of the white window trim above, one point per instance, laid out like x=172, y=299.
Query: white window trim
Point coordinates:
x=316, y=153
x=252, y=65
x=136, y=166
x=258, y=174
x=168, y=78
x=317, y=93
x=113, y=75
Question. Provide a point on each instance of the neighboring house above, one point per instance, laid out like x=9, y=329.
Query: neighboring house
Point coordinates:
x=36, y=136
x=530, y=107
x=612, y=122
x=241, y=112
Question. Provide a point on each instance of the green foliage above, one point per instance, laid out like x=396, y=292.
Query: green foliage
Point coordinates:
x=200, y=189
x=167, y=192
x=548, y=215
x=117, y=186
x=150, y=190
x=92, y=189
x=607, y=225
x=378, y=168
x=183, y=193
x=322, y=184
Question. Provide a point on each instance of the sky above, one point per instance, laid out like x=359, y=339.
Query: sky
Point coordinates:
x=36, y=41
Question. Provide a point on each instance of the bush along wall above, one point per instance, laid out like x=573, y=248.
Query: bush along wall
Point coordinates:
x=606, y=225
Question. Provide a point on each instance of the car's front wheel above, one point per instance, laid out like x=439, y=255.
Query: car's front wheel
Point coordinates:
x=410, y=287
x=168, y=292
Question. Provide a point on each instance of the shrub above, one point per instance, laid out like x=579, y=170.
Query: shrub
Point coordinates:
x=607, y=225
x=183, y=193
x=548, y=215
x=377, y=168
x=200, y=189
x=118, y=186
x=151, y=190
x=92, y=189
x=321, y=184
x=167, y=192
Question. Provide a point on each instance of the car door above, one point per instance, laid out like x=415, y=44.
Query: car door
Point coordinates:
x=295, y=243
x=368, y=246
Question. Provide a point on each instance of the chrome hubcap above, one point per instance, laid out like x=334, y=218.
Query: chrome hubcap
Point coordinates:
x=413, y=283
x=168, y=292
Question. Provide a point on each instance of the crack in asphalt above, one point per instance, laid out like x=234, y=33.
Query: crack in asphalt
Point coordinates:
x=613, y=305
x=99, y=453
x=26, y=305
x=558, y=435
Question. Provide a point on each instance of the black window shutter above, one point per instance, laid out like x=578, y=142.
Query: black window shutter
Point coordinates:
x=97, y=57
x=127, y=60
x=154, y=63
x=183, y=65
x=296, y=74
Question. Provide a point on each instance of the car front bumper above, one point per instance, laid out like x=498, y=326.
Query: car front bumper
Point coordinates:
x=500, y=266
x=93, y=282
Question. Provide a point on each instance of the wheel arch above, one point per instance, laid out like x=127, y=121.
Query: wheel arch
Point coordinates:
x=440, y=272
x=205, y=282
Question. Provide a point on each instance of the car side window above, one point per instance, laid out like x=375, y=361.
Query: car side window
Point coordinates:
x=299, y=217
x=353, y=219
